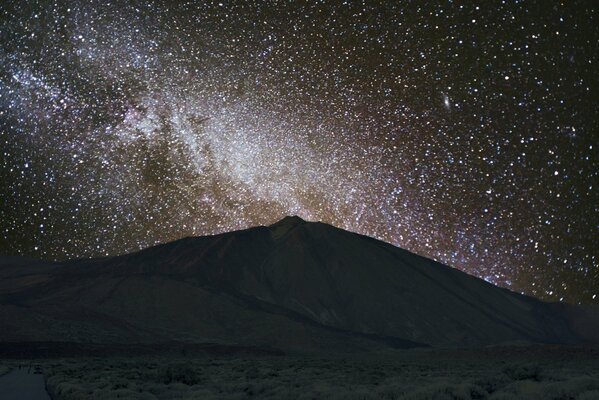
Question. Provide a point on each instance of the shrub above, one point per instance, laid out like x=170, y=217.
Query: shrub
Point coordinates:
x=446, y=391
x=592, y=395
x=493, y=383
x=180, y=372
x=571, y=388
x=520, y=372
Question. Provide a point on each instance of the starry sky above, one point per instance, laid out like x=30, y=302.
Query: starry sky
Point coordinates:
x=464, y=131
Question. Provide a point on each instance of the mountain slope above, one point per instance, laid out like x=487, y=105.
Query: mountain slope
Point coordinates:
x=292, y=285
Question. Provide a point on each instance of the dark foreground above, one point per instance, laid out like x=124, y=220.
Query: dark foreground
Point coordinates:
x=534, y=372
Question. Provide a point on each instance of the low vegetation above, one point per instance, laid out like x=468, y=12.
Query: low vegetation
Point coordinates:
x=4, y=369
x=494, y=374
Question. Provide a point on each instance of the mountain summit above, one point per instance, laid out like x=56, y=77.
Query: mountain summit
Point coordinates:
x=293, y=285
x=292, y=220
x=283, y=226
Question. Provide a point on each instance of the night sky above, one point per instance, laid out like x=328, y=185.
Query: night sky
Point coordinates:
x=466, y=132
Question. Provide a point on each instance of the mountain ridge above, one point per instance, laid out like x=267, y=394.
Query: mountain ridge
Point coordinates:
x=294, y=284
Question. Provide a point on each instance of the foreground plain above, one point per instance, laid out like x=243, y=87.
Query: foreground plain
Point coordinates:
x=533, y=372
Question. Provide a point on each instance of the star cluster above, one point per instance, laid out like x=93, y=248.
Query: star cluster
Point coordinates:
x=464, y=131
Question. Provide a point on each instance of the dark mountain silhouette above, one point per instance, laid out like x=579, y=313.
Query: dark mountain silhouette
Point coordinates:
x=294, y=285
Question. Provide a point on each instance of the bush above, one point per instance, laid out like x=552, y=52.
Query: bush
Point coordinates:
x=592, y=395
x=570, y=389
x=520, y=372
x=446, y=391
x=493, y=383
x=182, y=373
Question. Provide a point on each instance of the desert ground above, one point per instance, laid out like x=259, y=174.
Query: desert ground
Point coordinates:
x=515, y=372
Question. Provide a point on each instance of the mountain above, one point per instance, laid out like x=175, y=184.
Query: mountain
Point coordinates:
x=294, y=285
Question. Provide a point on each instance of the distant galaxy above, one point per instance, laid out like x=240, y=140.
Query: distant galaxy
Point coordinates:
x=466, y=132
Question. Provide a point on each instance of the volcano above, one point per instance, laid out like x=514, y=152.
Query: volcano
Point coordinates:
x=294, y=286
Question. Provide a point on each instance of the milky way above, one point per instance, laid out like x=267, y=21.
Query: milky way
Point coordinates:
x=465, y=132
